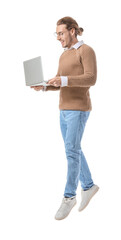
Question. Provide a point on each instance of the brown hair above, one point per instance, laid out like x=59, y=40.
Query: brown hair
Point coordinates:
x=70, y=23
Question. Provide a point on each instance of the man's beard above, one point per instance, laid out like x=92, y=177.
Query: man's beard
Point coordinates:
x=70, y=40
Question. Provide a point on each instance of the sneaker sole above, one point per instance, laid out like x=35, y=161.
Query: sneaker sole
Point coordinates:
x=96, y=190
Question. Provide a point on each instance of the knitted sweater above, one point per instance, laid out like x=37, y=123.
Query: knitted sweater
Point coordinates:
x=79, y=65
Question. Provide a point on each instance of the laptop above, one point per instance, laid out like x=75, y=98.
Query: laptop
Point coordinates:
x=34, y=73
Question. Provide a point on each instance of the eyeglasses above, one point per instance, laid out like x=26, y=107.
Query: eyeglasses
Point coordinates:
x=60, y=33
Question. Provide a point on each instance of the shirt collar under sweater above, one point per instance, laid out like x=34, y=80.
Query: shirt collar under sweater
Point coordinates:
x=76, y=46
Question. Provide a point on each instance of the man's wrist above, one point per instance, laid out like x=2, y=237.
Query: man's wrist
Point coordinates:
x=64, y=81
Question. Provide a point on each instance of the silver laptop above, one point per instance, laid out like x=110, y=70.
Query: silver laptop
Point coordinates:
x=34, y=73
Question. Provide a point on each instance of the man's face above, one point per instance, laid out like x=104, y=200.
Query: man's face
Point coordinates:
x=64, y=36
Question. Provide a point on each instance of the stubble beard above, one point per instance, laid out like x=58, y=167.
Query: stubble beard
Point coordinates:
x=70, y=41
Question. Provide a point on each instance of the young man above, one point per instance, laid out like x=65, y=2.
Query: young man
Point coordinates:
x=77, y=72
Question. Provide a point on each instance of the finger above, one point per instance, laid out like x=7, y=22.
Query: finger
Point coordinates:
x=37, y=89
x=51, y=81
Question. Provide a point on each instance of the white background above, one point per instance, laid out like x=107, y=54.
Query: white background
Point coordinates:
x=32, y=155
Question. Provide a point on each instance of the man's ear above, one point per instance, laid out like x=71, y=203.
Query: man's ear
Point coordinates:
x=73, y=31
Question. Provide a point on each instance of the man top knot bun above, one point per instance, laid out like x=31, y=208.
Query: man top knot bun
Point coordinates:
x=71, y=23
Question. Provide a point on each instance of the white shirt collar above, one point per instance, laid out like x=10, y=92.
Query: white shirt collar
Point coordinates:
x=76, y=46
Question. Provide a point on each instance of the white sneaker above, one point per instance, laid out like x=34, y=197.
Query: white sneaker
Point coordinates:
x=65, y=208
x=87, y=195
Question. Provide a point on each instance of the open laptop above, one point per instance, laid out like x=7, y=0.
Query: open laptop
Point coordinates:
x=34, y=73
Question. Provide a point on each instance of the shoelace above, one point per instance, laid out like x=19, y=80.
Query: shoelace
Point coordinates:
x=67, y=199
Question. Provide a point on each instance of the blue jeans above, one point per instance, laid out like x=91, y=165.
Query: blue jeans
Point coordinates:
x=72, y=124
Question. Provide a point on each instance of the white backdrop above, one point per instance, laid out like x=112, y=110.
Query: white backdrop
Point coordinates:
x=32, y=156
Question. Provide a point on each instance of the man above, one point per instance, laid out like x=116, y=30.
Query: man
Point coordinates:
x=77, y=72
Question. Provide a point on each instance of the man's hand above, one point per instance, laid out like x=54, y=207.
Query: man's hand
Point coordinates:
x=37, y=88
x=56, y=81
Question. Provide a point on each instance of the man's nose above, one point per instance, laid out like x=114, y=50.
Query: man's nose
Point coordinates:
x=58, y=37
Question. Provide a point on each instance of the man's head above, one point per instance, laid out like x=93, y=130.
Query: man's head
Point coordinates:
x=67, y=30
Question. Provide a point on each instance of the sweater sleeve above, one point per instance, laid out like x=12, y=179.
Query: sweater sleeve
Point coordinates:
x=88, y=78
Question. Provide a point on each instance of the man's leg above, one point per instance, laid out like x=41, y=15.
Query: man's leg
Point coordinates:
x=77, y=165
x=85, y=174
x=67, y=203
x=72, y=125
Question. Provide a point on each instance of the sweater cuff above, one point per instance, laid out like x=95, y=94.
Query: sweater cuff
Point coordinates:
x=64, y=81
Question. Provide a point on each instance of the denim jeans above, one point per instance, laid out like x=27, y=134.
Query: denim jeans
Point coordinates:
x=72, y=124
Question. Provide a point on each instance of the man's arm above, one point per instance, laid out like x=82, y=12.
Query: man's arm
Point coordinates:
x=88, y=78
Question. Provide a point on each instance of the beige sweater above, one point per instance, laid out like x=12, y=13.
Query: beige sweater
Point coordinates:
x=79, y=65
